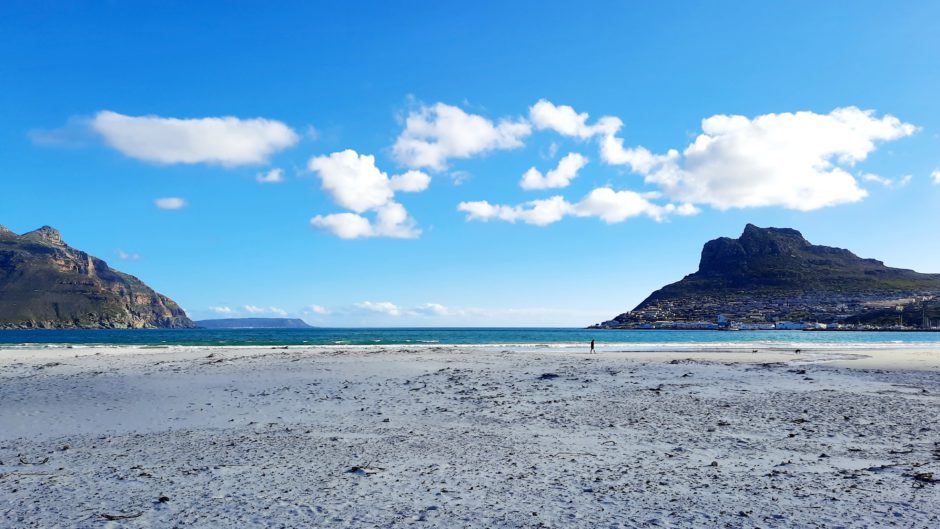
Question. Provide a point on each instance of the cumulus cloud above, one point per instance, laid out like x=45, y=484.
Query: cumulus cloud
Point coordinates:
x=410, y=182
x=222, y=310
x=125, y=256
x=434, y=134
x=228, y=141
x=890, y=183
x=794, y=160
x=391, y=220
x=274, y=176
x=560, y=176
x=564, y=120
x=170, y=203
x=604, y=203
x=935, y=175
x=353, y=181
x=383, y=307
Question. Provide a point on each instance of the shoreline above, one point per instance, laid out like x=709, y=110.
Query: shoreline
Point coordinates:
x=885, y=356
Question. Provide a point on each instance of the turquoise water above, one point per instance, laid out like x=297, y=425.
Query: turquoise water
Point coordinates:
x=628, y=339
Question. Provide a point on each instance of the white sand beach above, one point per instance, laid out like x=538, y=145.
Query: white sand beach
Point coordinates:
x=457, y=436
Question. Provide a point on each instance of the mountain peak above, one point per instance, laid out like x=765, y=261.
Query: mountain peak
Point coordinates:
x=751, y=231
x=724, y=254
x=45, y=234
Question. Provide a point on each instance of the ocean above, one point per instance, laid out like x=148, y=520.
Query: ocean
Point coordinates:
x=638, y=340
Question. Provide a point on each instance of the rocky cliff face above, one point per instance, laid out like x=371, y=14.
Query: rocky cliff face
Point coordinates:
x=45, y=283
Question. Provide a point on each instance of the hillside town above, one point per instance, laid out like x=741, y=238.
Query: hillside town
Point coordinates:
x=747, y=311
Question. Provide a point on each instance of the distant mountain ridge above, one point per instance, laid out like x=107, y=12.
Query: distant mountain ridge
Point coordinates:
x=770, y=274
x=45, y=283
x=254, y=323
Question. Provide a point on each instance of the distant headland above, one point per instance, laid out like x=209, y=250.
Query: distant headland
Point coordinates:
x=773, y=278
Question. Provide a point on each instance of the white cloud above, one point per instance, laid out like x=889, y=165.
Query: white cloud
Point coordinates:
x=222, y=310
x=617, y=206
x=537, y=212
x=391, y=220
x=936, y=176
x=318, y=309
x=227, y=141
x=459, y=177
x=274, y=176
x=410, y=182
x=354, y=182
x=793, y=160
x=560, y=176
x=170, y=203
x=254, y=309
x=433, y=309
x=564, y=120
x=639, y=159
x=434, y=134
x=344, y=225
x=383, y=307
x=124, y=256
x=604, y=203
x=888, y=182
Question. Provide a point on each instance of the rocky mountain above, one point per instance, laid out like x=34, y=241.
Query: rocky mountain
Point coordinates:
x=772, y=274
x=45, y=283
x=253, y=323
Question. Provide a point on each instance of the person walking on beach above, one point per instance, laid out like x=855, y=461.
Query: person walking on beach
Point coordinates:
x=592, y=346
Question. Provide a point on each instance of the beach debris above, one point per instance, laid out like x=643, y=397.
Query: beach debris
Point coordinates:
x=924, y=477
x=115, y=517
x=163, y=499
x=43, y=461
x=548, y=376
x=363, y=470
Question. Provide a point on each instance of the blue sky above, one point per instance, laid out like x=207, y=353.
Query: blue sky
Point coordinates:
x=817, y=116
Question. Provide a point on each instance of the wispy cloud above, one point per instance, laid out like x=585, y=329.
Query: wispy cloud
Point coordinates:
x=170, y=203
x=383, y=307
x=254, y=309
x=318, y=309
x=604, y=203
x=125, y=256
x=274, y=176
x=223, y=310
x=891, y=183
